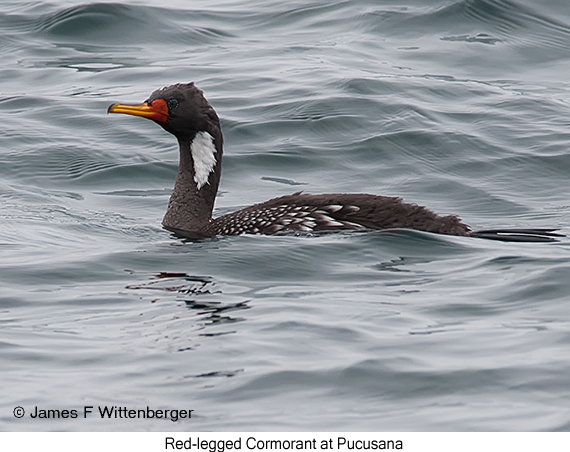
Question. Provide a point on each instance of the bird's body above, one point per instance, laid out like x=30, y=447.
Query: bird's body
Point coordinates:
x=184, y=111
x=333, y=212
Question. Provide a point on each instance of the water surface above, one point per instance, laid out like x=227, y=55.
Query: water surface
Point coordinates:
x=461, y=106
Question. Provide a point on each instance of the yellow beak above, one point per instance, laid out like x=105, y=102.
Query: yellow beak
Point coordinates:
x=157, y=110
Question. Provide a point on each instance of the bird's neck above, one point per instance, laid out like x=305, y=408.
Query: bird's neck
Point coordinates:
x=192, y=200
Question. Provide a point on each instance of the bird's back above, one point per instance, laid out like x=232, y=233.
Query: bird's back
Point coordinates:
x=334, y=212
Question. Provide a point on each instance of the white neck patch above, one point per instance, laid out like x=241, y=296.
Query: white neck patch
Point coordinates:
x=204, y=156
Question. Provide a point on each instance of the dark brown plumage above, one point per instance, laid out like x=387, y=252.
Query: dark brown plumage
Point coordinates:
x=184, y=111
x=333, y=212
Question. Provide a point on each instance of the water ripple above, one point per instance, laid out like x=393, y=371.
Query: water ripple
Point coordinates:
x=458, y=105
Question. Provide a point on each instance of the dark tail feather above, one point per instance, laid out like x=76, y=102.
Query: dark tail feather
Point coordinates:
x=518, y=235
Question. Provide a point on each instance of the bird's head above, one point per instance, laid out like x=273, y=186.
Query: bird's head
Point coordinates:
x=180, y=109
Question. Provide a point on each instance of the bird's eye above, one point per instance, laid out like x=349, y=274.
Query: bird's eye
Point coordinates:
x=172, y=104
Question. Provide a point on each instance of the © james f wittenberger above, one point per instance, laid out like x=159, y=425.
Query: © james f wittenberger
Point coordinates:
x=106, y=412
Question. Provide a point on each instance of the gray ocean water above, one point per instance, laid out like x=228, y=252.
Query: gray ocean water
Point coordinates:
x=459, y=105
